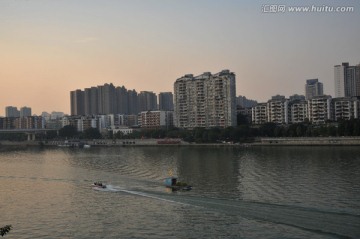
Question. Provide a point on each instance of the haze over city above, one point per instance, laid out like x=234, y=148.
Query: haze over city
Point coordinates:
x=49, y=48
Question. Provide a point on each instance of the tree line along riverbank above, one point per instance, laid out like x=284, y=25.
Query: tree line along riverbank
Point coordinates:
x=245, y=133
x=303, y=141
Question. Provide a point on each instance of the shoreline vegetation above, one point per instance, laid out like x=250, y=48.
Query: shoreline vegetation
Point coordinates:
x=343, y=132
x=288, y=141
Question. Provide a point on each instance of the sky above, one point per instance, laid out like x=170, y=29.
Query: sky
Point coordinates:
x=49, y=48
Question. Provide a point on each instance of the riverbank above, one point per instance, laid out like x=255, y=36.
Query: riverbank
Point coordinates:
x=308, y=141
x=303, y=141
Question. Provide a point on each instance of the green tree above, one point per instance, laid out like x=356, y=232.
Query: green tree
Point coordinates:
x=119, y=135
x=91, y=133
x=331, y=130
x=278, y=132
x=198, y=134
x=51, y=134
x=213, y=135
x=68, y=131
x=356, y=129
x=13, y=136
x=301, y=129
x=242, y=119
x=267, y=129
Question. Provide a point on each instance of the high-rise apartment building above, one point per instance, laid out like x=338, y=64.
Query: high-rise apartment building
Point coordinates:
x=166, y=101
x=298, y=110
x=25, y=111
x=11, y=111
x=147, y=101
x=206, y=100
x=122, y=100
x=259, y=113
x=296, y=97
x=277, y=110
x=91, y=101
x=104, y=99
x=320, y=109
x=347, y=80
x=133, y=104
x=243, y=102
x=346, y=108
x=313, y=88
x=107, y=99
x=77, y=98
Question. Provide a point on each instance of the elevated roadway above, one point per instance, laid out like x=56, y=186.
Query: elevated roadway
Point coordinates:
x=29, y=132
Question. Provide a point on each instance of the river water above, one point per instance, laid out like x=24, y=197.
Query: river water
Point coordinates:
x=255, y=192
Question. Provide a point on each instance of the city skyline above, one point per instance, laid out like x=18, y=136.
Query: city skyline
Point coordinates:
x=50, y=48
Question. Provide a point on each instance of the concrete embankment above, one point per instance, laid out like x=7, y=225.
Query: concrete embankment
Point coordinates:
x=308, y=141
x=133, y=142
x=301, y=141
x=19, y=143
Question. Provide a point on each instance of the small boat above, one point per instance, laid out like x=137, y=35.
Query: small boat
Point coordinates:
x=171, y=182
x=98, y=185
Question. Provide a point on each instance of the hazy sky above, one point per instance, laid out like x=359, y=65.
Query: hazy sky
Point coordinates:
x=48, y=47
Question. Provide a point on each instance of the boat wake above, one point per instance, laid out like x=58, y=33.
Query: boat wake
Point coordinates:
x=109, y=188
x=112, y=188
x=338, y=224
x=153, y=196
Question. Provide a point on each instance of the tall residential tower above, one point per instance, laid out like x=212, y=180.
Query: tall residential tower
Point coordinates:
x=347, y=80
x=313, y=88
x=166, y=101
x=206, y=100
x=104, y=99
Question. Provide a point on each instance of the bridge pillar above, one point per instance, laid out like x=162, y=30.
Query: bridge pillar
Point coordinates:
x=30, y=137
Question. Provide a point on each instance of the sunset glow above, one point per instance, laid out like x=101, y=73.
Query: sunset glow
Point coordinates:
x=49, y=48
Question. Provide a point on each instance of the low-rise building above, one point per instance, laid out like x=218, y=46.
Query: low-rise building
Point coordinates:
x=29, y=122
x=123, y=130
x=156, y=119
x=85, y=123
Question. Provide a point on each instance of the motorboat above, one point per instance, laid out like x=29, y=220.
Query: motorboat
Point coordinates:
x=98, y=185
x=171, y=182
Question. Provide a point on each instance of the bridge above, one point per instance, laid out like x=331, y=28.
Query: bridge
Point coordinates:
x=29, y=132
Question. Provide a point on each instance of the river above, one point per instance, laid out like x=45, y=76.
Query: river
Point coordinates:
x=254, y=192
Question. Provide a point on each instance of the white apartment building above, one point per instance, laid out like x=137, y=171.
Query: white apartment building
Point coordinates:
x=123, y=130
x=259, y=113
x=205, y=101
x=277, y=110
x=298, y=111
x=85, y=123
x=346, y=108
x=339, y=79
x=347, y=80
x=105, y=121
x=65, y=121
x=320, y=109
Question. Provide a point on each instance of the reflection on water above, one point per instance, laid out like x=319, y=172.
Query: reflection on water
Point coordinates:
x=292, y=192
